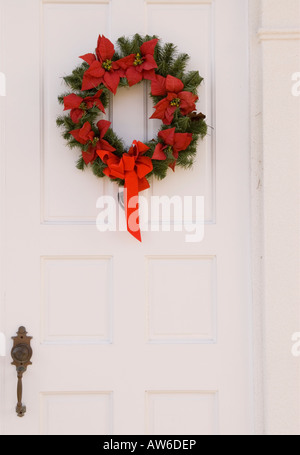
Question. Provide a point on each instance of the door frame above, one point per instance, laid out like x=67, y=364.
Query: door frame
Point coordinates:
x=256, y=194
x=2, y=216
x=274, y=58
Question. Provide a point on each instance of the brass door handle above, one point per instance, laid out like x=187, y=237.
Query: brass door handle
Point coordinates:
x=21, y=354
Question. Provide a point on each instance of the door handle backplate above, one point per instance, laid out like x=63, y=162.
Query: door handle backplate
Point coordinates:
x=21, y=354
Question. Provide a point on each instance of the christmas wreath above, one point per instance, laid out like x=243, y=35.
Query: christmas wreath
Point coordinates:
x=174, y=93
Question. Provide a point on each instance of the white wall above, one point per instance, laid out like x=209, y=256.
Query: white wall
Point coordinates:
x=275, y=57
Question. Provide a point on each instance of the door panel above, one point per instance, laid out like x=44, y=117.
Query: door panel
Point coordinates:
x=128, y=338
x=193, y=34
x=64, y=29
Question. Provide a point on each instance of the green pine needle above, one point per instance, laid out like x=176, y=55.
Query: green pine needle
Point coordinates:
x=81, y=164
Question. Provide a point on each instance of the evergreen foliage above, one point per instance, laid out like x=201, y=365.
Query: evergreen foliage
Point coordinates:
x=170, y=62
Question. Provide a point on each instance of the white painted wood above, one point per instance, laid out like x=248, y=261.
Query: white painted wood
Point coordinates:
x=281, y=190
x=183, y=413
x=182, y=308
x=78, y=407
x=54, y=254
x=274, y=59
x=2, y=345
x=64, y=286
x=2, y=216
x=199, y=18
x=61, y=202
x=257, y=207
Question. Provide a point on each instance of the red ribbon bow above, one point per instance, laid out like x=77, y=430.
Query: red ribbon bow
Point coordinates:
x=133, y=168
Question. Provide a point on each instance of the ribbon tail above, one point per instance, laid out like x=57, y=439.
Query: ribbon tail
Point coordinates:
x=131, y=205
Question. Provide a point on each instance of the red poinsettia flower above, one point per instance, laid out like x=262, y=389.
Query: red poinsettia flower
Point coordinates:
x=141, y=65
x=86, y=135
x=174, y=142
x=80, y=105
x=176, y=98
x=102, y=69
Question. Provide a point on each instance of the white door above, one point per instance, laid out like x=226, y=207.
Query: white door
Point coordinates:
x=128, y=338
